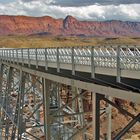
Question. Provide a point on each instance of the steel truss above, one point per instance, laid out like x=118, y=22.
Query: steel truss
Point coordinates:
x=34, y=107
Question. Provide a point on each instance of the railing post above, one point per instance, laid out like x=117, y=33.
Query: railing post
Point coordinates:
x=17, y=56
x=13, y=55
x=118, y=67
x=6, y=55
x=58, y=62
x=28, y=58
x=46, y=60
x=73, y=62
x=2, y=56
x=10, y=55
x=92, y=63
x=36, y=58
x=22, y=57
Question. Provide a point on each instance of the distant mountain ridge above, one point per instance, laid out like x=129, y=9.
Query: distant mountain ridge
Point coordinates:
x=70, y=26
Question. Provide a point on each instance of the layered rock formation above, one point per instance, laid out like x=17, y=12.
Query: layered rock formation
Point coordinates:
x=22, y=25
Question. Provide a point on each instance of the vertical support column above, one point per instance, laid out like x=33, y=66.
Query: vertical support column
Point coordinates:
x=73, y=90
x=36, y=58
x=58, y=62
x=92, y=63
x=118, y=65
x=46, y=100
x=7, y=100
x=80, y=108
x=46, y=60
x=0, y=123
x=1, y=79
x=59, y=113
x=96, y=116
x=81, y=116
x=28, y=51
x=20, y=122
x=109, y=119
x=72, y=61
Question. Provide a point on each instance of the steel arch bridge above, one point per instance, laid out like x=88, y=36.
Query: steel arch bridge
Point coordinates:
x=33, y=81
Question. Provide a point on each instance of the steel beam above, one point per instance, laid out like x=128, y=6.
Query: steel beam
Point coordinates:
x=126, y=128
x=123, y=111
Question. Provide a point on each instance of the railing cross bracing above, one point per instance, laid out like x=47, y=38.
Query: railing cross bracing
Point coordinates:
x=129, y=57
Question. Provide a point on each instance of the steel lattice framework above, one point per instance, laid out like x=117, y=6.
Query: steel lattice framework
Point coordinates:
x=35, y=104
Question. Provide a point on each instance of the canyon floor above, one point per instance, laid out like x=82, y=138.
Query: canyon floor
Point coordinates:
x=43, y=41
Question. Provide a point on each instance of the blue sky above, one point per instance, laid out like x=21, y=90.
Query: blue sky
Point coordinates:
x=81, y=9
x=6, y=1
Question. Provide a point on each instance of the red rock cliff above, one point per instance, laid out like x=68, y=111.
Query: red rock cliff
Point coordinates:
x=22, y=25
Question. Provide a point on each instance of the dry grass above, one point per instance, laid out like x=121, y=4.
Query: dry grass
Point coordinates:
x=42, y=42
x=134, y=137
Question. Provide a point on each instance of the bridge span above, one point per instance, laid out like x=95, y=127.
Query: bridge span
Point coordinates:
x=42, y=91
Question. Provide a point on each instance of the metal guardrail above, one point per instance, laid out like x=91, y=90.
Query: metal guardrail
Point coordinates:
x=120, y=57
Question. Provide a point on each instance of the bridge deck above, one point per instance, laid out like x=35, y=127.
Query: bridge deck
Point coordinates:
x=98, y=86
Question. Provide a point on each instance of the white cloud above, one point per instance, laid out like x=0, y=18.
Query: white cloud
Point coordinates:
x=92, y=12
